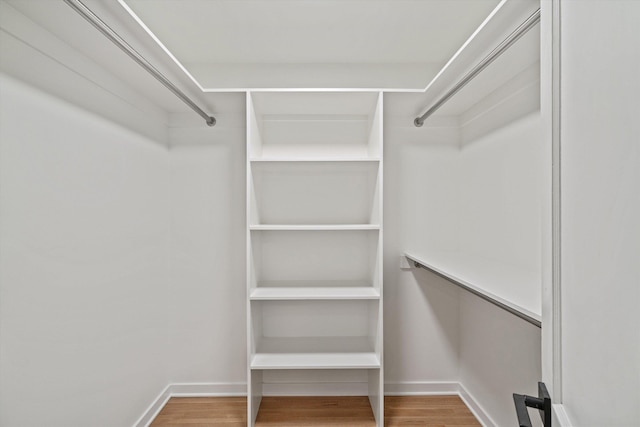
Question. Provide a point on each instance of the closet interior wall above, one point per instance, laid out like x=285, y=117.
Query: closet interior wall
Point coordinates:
x=207, y=322
x=83, y=264
x=461, y=338
x=470, y=195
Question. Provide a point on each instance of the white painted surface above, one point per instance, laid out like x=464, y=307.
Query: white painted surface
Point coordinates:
x=28, y=49
x=421, y=310
x=301, y=292
x=207, y=293
x=65, y=24
x=327, y=193
x=309, y=222
x=154, y=408
x=499, y=356
x=271, y=44
x=325, y=360
x=461, y=269
x=491, y=236
x=502, y=194
x=207, y=229
x=473, y=201
x=600, y=96
x=314, y=227
x=501, y=177
x=83, y=265
x=476, y=409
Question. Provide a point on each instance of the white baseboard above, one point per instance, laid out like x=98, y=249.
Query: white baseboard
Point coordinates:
x=189, y=390
x=440, y=388
x=560, y=416
x=416, y=388
x=317, y=389
x=154, y=409
x=207, y=389
x=475, y=408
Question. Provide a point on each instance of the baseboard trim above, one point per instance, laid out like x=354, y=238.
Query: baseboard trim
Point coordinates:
x=189, y=390
x=208, y=389
x=560, y=416
x=326, y=389
x=417, y=388
x=154, y=409
x=476, y=409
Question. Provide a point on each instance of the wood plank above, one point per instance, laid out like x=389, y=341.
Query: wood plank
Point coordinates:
x=400, y=411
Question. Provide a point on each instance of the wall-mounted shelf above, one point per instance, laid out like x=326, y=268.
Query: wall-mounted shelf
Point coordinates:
x=302, y=292
x=315, y=353
x=314, y=159
x=316, y=361
x=460, y=272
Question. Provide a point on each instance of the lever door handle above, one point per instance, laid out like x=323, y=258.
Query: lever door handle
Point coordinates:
x=542, y=403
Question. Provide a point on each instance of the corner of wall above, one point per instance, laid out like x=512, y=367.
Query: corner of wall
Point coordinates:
x=154, y=408
x=474, y=406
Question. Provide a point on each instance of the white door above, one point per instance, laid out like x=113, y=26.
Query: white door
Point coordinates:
x=591, y=104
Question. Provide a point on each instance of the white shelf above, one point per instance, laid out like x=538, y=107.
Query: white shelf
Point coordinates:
x=490, y=279
x=291, y=292
x=313, y=227
x=316, y=361
x=315, y=353
x=318, y=159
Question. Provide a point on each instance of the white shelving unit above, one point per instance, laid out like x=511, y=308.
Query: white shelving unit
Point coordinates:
x=314, y=236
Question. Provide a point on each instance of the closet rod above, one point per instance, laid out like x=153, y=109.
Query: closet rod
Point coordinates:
x=529, y=23
x=108, y=32
x=497, y=303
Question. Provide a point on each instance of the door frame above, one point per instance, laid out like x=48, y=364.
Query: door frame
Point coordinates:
x=551, y=109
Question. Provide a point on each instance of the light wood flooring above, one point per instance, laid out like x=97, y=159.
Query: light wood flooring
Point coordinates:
x=429, y=411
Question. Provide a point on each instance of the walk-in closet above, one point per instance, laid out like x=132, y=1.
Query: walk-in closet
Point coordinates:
x=308, y=213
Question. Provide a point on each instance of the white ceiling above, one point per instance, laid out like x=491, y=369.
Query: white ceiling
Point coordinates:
x=253, y=43
x=371, y=35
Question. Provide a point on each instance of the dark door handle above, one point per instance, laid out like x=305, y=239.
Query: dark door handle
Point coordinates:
x=542, y=403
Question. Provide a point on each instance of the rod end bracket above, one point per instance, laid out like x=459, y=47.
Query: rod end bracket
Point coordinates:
x=418, y=123
x=211, y=121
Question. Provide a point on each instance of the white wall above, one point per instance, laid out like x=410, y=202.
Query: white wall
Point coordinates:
x=600, y=236
x=501, y=176
x=207, y=332
x=420, y=209
x=472, y=201
x=499, y=355
x=500, y=192
x=207, y=298
x=83, y=265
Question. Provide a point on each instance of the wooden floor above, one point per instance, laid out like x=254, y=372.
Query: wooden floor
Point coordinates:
x=430, y=411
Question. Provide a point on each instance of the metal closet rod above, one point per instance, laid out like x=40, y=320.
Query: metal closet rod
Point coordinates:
x=94, y=20
x=529, y=23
